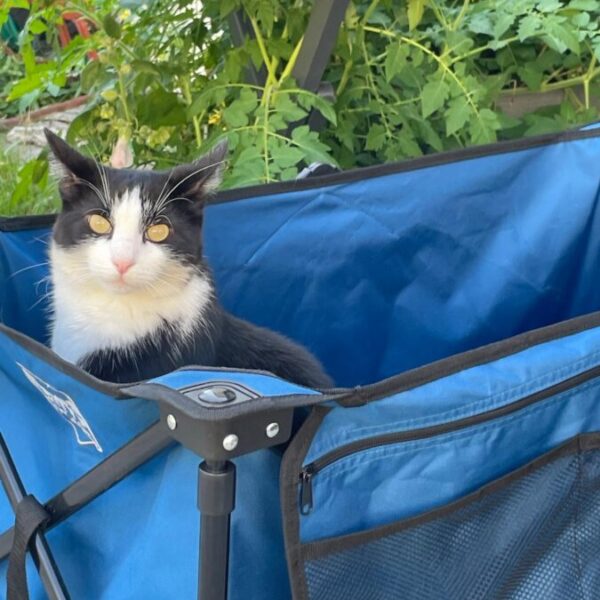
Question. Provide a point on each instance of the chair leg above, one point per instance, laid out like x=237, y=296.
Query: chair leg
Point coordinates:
x=216, y=501
x=40, y=551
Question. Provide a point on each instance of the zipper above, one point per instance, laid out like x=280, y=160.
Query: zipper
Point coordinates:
x=309, y=471
x=306, y=498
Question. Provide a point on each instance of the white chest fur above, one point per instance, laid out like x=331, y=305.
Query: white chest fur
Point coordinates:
x=89, y=317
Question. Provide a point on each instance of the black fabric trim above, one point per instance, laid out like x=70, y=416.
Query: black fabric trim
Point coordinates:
x=161, y=393
x=44, y=353
x=358, y=174
x=576, y=445
x=26, y=222
x=414, y=164
x=465, y=360
x=291, y=464
x=30, y=517
x=399, y=437
x=343, y=396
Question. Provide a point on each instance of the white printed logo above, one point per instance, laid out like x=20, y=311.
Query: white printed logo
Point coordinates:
x=66, y=407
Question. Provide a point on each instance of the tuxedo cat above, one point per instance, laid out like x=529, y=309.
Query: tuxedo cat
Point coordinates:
x=133, y=297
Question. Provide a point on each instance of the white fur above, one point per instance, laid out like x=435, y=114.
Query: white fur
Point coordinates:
x=96, y=308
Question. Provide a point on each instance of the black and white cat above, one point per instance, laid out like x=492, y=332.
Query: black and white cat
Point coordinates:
x=133, y=297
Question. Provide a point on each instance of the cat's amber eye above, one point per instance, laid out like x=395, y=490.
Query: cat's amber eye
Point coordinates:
x=158, y=233
x=99, y=224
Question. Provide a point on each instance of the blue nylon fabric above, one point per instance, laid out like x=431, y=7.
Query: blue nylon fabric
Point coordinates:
x=140, y=539
x=375, y=276
x=393, y=482
x=255, y=381
x=462, y=394
x=366, y=273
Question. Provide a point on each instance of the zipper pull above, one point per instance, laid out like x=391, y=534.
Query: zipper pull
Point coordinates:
x=306, y=495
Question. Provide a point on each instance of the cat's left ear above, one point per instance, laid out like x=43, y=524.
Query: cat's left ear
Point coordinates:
x=202, y=177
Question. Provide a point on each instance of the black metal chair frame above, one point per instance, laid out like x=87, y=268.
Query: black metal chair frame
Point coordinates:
x=209, y=438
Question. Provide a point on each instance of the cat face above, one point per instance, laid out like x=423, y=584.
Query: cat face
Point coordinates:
x=130, y=230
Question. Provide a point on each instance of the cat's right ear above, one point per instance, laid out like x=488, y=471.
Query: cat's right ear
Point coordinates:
x=69, y=165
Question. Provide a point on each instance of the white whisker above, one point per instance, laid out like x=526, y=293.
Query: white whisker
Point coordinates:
x=97, y=192
x=172, y=190
x=36, y=266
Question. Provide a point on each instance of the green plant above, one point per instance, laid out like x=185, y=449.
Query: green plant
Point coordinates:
x=28, y=81
x=10, y=71
x=430, y=76
x=410, y=78
x=25, y=189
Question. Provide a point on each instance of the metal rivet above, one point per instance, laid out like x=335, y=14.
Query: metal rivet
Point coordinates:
x=230, y=442
x=272, y=430
x=171, y=422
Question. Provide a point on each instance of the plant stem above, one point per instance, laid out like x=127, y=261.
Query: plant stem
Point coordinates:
x=475, y=51
x=123, y=96
x=557, y=85
x=587, y=79
x=292, y=61
x=344, y=79
x=267, y=98
x=370, y=11
x=373, y=89
x=461, y=16
x=445, y=67
x=271, y=78
x=439, y=15
x=185, y=88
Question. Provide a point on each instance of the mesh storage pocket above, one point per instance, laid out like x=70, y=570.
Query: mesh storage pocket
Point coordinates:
x=532, y=535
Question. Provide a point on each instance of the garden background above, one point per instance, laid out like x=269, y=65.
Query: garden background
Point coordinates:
x=404, y=79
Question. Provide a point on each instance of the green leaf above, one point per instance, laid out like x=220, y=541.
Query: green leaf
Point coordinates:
x=549, y=6
x=457, y=114
x=37, y=26
x=286, y=108
x=459, y=41
x=528, y=26
x=532, y=75
x=484, y=126
x=309, y=142
x=395, y=59
x=160, y=108
x=228, y=6
x=325, y=107
x=24, y=86
x=481, y=23
x=408, y=145
x=28, y=55
x=581, y=20
x=561, y=38
x=429, y=135
x=585, y=4
x=503, y=24
x=111, y=26
x=237, y=114
x=415, y=12
x=144, y=66
x=32, y=172
x=376, y=137
x=251, y=153
x=539, y=124
x=289, y=173
x=433, y=96
x=90, y=74
x=266, y=15
x=288, y=156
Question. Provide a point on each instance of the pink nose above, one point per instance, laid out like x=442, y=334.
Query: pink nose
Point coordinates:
x=123, y=265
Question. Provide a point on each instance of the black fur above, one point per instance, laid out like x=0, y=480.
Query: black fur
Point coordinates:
x=222, y=339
